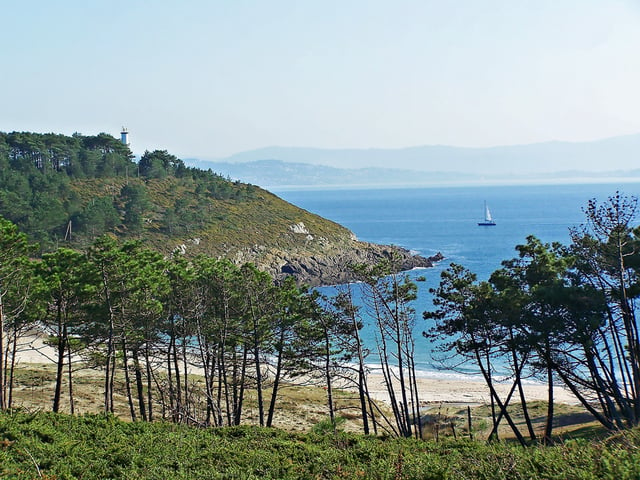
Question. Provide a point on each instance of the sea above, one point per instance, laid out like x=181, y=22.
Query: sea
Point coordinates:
x=445, y=219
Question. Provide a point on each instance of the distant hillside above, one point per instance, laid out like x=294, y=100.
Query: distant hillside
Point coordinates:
x=278, y=173
x=70, y=190
x=613, y=154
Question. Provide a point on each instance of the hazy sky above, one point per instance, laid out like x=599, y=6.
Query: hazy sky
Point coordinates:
x=210, y=78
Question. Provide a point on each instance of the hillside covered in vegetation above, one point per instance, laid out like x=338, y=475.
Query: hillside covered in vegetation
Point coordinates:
x=69, y=190
x=97, y=447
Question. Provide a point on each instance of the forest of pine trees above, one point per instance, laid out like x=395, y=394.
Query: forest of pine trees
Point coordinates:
x=562, y=314
x=37, y=172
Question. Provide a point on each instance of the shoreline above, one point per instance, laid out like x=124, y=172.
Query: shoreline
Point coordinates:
x=469, y=392
x=431, y=389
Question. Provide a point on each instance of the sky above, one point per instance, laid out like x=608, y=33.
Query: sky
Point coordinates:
x=211, y=78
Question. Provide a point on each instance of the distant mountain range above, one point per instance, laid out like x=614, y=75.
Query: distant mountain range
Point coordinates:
x=283, y=166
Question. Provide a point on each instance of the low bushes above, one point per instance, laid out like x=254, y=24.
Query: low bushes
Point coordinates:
x=56, y=446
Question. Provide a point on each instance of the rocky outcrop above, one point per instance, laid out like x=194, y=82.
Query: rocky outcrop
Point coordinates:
x=314, y=251
x=336, y=268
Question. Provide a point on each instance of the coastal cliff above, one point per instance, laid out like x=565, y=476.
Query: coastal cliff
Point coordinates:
x=319, y=252
x=68, y=191
x=316, y=261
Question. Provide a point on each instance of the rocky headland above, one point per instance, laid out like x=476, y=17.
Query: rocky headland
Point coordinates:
x=336, y=268
x=315, y=257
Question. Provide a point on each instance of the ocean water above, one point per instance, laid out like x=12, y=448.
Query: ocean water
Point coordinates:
x=431, y=220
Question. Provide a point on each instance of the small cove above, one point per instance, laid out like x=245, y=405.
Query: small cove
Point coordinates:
x=445, y=219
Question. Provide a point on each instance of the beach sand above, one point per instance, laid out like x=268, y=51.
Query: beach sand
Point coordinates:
x=443, y=389
x=471, y=391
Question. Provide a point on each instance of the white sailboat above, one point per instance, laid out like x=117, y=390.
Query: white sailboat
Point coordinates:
x=488, y=220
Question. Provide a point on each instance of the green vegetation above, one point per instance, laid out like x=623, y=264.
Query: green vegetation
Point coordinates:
x=71, y=190
x=200, y=340
x=559, y=313
x=56, y=446
x=186, y=340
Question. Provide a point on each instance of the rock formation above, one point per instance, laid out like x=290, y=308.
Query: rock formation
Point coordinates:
x=335, y=268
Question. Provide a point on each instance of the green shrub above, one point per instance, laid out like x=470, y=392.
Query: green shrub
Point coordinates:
x=56, y=446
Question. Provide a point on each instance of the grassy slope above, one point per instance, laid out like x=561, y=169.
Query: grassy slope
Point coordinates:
x=255, y=228
x=97, y=447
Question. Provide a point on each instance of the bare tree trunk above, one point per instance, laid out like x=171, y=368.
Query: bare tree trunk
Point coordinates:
x=209, y=363
x=172, y=401
x=223, y=389
x=327, y=373
x=415, y=396
x=385, y=367
x=3, y=360
x=127, y=380
x=401, y=374
x=258, y=367
x=110, y=358
x=503, y=411
x=107, y=373
x=139, y=384
x=186, y=404
x=517, y=367
x=362, y=376
x=208, y=366
x=178, y=386
x=549, y=424
x=72, y=406
x=276, y=380
x=240, y=396
x=147, y=361
x=61, y=348
x=494, y=395
x=12, y=368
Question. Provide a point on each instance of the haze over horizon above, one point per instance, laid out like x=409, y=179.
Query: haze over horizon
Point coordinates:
x=211, y=79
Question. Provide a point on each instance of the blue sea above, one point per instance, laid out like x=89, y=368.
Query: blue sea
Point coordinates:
x=445, y=219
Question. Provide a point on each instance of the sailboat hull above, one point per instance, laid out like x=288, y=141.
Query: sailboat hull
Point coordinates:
x=487, y=224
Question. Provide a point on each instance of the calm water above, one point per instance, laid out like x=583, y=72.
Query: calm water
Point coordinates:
x=430, y=220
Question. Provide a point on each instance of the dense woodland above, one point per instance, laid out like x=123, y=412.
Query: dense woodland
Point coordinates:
x=44, y=180
x=190, y=336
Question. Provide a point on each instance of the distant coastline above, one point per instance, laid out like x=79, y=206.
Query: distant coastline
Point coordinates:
x=280, y=175
x=611, y=159
x=603, y=180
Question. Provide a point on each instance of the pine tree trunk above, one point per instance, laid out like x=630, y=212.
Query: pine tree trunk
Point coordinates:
x=147, y=362
x=139, y=384
x=517, y=366
x=12, y=369
x=276, y=381
x=72, y=406
x=327, y=373
x=258, y=367
x=3, y=391
x=127, y=379
x=240, y=397
x=172, y=406
x=178, y=407
x=549, y=424
x=61, y=351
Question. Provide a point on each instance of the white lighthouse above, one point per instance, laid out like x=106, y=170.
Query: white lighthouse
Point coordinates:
x=124, y=136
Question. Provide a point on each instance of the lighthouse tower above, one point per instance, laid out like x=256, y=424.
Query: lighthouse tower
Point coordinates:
x=124, y=136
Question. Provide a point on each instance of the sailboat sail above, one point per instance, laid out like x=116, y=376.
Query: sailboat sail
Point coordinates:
x=487, y=213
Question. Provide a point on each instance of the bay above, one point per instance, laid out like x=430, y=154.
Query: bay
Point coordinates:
x=445, y=220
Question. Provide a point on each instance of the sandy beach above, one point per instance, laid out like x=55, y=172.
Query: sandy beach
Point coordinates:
x=471, y=390
x=468, y=391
